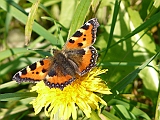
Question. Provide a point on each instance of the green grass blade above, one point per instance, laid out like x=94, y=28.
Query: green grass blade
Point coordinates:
x=30, y=21
x=128, y=79
x=157, y=115
x=126, y=109
x=79, y=16
x=10, y=52
x=16, y=96
x=57, y=29
x=115, y=14
x=8, y=112
x=147, y=24
x=109, y=116
x=8, y=85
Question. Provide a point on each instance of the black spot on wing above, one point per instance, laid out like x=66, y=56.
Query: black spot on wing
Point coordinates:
x=41, y=62
x=78, y=34
x=44, y=70
x=33, y=66
x=71, y=41
x=80, y=44
x=85, y=27
x=24, y=71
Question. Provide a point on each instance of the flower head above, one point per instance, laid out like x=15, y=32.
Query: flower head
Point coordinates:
x=79, y=93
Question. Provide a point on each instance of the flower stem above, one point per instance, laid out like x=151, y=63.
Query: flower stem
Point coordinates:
x=94, y=116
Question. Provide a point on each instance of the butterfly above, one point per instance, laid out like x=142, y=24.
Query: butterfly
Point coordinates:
x=77, y=57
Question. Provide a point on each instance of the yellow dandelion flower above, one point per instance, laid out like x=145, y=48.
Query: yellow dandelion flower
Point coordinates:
x=79, y=93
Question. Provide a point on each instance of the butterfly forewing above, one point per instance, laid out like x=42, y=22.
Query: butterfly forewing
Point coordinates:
x=83, y=37
x=35, y=72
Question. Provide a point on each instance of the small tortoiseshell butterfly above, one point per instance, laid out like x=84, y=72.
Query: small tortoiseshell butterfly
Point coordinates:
x=78, y=56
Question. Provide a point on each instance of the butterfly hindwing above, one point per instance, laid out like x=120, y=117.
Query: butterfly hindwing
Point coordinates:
x=83, y=59
x=88, y=60
x=58, y=81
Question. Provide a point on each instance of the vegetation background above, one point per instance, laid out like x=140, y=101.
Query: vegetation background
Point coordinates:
x=127, y=42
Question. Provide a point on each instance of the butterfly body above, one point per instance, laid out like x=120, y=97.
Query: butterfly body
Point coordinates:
x=77, y=57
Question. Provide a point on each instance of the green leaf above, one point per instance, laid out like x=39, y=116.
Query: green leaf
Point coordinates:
x=127, y=110
x=79, y=16
x=119, y=86
x=147, y=24
x=8, y=112
x=10, y=52
x=30, y=21
x=16, y=96
x=109, y=116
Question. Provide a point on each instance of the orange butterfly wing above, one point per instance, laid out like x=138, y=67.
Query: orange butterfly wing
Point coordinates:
x=35, y=72
x=84, y=37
